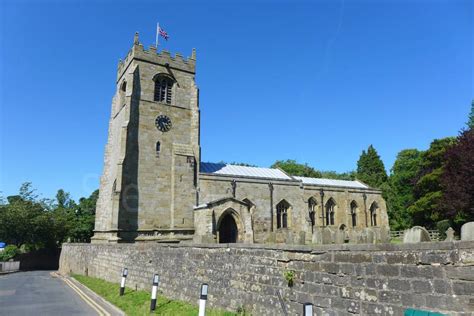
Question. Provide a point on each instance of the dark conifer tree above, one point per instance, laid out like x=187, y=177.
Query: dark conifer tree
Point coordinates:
x=370, y=168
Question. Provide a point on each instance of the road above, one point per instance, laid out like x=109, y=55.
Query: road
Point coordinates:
x=38, y=293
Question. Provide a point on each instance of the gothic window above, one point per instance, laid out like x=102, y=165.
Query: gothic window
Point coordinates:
x=330, y=208
x=163, y=88
x=157, y=149
x=354, y=213
x=282, y=214
x=373, y=214
x=312, y=210
x=123, y=87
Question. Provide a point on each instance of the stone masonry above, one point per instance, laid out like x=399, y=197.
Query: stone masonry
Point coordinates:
x=380, y=279
x=152, y=188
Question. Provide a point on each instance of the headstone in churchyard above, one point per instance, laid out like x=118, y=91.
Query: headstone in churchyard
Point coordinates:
x=339, y=236
x=327, y=235
x=416, y=234
x=370, y=236
x=384, y=235
x=467, y=231
x=449, y=234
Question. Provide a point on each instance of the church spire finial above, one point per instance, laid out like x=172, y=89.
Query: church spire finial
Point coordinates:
x=135, y=39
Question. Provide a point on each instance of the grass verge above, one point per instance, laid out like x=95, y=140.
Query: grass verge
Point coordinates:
x=138, y=302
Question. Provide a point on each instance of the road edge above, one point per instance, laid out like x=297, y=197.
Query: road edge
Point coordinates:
x=102, y=306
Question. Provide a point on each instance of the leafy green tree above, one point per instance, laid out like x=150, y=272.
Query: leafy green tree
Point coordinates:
x=18, y=221
x=349, y=175
x=399, y=191
x=85, y=218
x=457, y=180
x=427, y=208
x=370, y=168
x=292, y=167
x=470, y=122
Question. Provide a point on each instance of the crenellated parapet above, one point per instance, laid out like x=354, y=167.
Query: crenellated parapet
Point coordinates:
x=163, y=58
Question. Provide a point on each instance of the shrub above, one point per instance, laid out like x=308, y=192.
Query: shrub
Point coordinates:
x=9, y=252
x=289, y=277
x=442, y=227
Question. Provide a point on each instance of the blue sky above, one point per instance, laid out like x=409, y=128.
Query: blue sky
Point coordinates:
x=315, y=81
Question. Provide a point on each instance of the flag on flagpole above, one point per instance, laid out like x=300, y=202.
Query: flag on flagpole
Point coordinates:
x=163, y=33
x=160, y=32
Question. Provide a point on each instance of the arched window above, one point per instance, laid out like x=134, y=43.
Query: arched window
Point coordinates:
x=312, y=210
x=157, y=149
x=123, y=87
x=163, y=88
x=282, y=214
x=354, y=213
x=330, y=208
x=373, y=214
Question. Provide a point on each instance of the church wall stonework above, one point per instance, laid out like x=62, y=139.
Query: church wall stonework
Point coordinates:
x=300, y=231
x=347, y=279
x=152, y=188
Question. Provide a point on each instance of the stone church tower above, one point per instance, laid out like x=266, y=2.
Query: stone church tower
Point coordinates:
x=149, y=183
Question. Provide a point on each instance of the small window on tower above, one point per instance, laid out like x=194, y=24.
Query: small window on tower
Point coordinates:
x=158, y=148
x=163, y=88
x=123, y=87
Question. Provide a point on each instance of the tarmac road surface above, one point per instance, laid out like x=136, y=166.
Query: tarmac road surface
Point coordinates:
x=38, y=293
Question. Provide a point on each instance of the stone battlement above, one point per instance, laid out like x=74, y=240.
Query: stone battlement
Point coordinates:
x=163, y=58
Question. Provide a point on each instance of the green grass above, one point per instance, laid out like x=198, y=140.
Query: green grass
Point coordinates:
x=396, y=241
x=138, y=302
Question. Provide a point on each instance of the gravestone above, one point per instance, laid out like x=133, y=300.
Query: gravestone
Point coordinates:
x=370, y=234
x=384, y=235
x=449, y=234
x=416, y=234
x=467, y=231
x=339, y=236
x=327, y=236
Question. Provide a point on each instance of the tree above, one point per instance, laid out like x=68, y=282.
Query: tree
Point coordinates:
x=85, y=218
x=18, y=221
x=457, y=180
x=296, y=169
x=470, y=122
x=349, y=175
x=370, y=168
x=399, y=191
x=427, y=208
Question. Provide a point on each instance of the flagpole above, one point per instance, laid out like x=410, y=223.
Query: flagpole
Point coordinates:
x=157, y=34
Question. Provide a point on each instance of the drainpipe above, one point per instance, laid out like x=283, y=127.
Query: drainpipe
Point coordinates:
x=321, y=192
x=365, y=209
x=270, y=187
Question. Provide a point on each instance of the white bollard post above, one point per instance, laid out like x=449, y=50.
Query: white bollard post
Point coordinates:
x=154, y=289
x=122, y=284
x=203, y=299
x=308, y=309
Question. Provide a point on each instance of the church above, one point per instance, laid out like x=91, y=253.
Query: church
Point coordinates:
x=154, y=187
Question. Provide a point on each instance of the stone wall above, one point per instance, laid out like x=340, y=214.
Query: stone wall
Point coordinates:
x=264, y=202
x=381, y=279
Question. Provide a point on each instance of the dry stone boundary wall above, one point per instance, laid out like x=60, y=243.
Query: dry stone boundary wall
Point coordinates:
x=376, y=279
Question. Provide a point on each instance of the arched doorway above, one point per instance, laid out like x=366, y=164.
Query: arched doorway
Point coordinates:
x=228, y=231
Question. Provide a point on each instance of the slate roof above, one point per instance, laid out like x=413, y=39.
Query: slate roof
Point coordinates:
x=255, y=172
x=332, y=182
x=271, y=173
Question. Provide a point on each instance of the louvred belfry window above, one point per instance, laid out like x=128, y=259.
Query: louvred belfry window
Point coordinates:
x=163, y=89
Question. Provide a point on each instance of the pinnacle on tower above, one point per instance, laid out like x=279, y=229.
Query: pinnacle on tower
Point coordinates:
x=135, y=39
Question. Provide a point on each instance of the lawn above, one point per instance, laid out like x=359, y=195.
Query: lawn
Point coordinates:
x=138, y=302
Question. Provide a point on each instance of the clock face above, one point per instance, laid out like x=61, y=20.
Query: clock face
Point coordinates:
x=163, y=123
